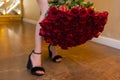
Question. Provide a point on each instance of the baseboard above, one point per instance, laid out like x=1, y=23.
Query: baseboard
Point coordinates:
x=102, y=40
x=29, y=20
x=107, y=41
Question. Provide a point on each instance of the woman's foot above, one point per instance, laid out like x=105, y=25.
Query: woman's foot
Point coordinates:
x=53, y=54
x=34, y=64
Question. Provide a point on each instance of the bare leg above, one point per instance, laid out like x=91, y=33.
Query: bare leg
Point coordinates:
x=43, y=4
x=36, y=59
x=54, y=53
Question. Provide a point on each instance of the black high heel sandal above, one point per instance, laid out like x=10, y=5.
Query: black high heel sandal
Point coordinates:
x=54, y=59
x=34, y=69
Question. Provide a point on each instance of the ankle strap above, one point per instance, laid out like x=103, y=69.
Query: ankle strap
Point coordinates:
x=51, y=44
x=36, y=52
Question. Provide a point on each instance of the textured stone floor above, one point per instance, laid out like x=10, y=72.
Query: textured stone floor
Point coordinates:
x=90, y=61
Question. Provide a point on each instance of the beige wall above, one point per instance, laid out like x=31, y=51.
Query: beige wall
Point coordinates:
x=31, y=9
x=112, y=29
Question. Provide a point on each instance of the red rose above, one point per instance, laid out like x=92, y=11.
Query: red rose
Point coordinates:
x=63, y=8
x=90, y=12
x=83, y=12
x=52, y=11
x=72, y=27
x=42, y=32
x=75, y=11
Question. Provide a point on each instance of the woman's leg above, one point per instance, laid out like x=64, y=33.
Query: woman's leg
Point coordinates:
x=43, y=4
x=36, y=59
x=54, y=53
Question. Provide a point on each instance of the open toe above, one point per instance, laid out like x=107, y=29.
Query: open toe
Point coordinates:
x=38, y=71
x=57, y=58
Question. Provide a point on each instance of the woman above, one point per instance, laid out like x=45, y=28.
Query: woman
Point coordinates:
x=34, y=61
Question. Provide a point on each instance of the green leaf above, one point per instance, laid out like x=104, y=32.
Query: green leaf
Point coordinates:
x=89, y=4
x=61, y=2
x=81, y=0
x=70, y=3
x=82, y=4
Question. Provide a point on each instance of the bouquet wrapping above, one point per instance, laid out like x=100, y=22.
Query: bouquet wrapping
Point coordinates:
x=70, y=24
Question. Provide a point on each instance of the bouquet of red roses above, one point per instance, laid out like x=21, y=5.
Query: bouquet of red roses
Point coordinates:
x=69, y=24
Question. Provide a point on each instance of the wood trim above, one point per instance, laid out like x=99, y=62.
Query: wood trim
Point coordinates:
x=107, y=41
x=29, y=20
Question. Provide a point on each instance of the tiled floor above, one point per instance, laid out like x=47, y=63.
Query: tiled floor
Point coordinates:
x=90, y=61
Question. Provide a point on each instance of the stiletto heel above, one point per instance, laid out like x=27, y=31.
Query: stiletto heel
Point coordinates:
x=34, y=69
x=55, y=58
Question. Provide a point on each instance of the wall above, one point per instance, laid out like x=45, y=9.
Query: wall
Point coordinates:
x=31, y=9
x=112, y=29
